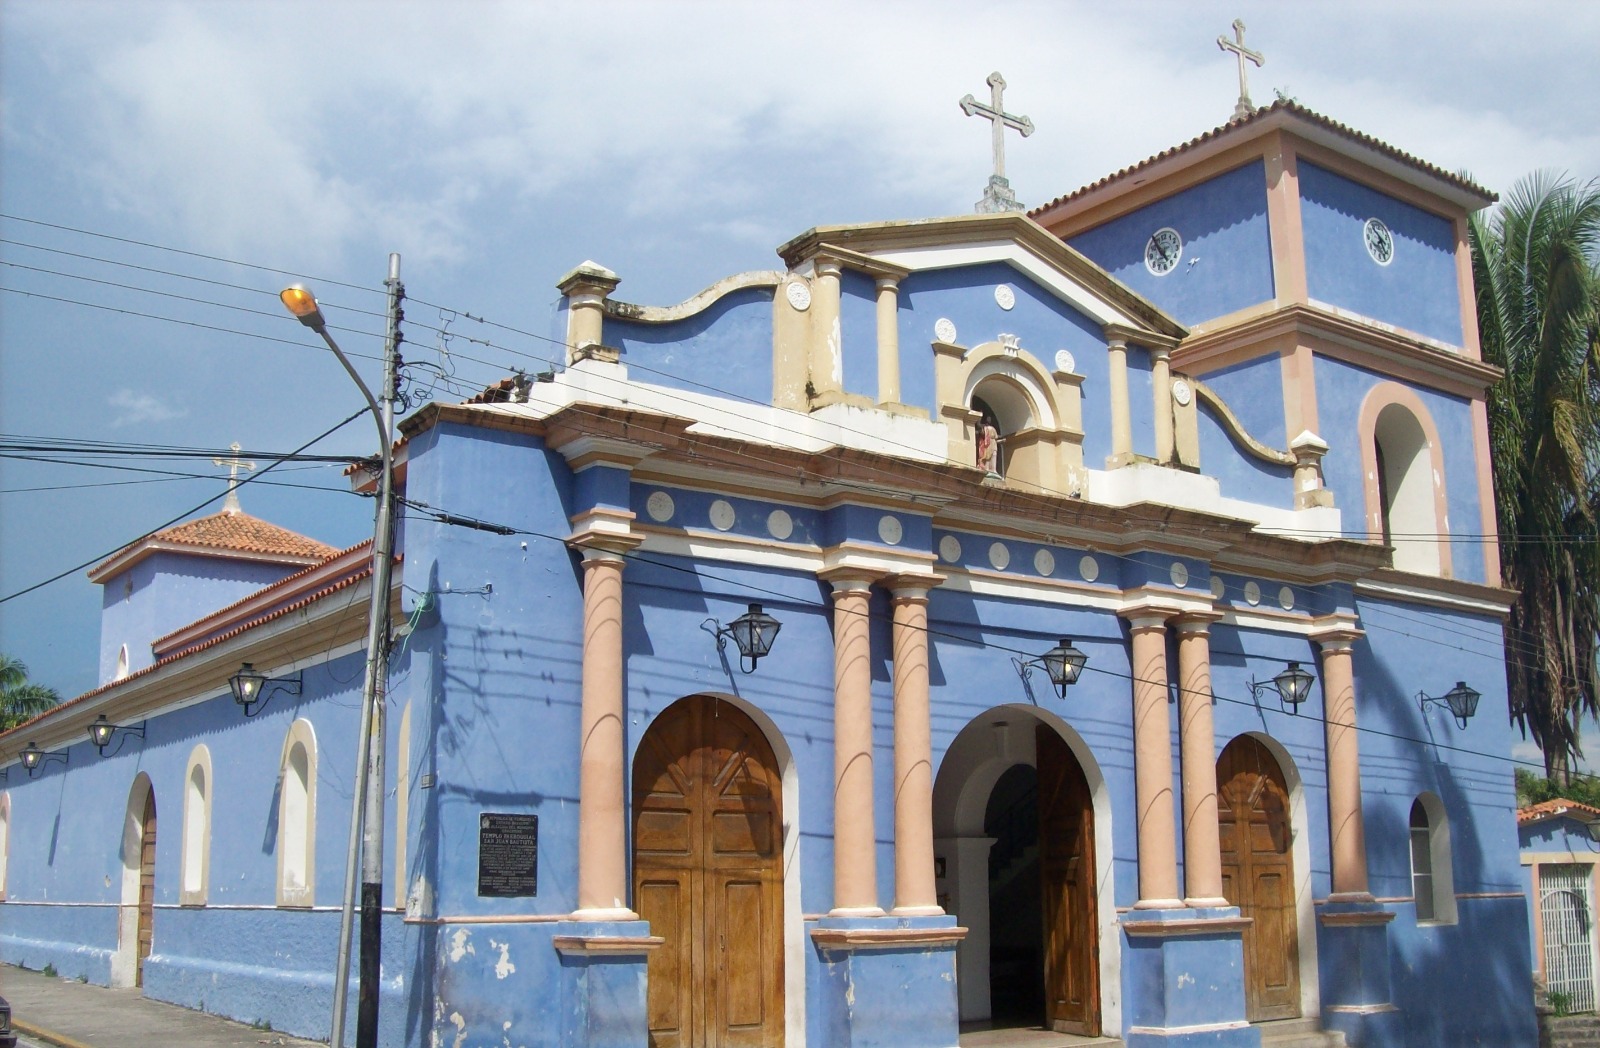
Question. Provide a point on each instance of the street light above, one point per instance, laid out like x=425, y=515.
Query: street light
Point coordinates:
x=366, y=820
x=1293, y=686
x=1062, y=663
x=753, y=633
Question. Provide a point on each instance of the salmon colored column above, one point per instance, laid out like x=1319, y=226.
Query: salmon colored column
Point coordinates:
x=1152, y=764
x=1202, y=849
x=855, y=866
x=1349, y=839
x=914, y=890
x=602, y=828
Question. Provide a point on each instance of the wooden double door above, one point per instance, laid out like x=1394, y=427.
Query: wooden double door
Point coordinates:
x=708, y=876
x=1066, y=874
x=1258, y=875
x=147, y=885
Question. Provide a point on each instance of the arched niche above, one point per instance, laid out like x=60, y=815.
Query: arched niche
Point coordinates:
x=1402, y=468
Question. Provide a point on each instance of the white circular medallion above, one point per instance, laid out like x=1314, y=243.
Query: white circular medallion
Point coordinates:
x=1064, y=362
x=1088, y=568
x=999, y=556
x=890, y=530
x=799, y=294
x=722, y=515
x=1252, y=593
x=1044, y=562
x=950, y=549
x=1179, y=572
x=660, y=507
x=779, y=524
x=944, y=329
x=1218, y=587
x=1004, y=296
x=1182, y=392
x=1286, y=598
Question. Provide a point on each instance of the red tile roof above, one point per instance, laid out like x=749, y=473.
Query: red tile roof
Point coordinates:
x=1552, y=808
x=221, y=534
x=1291, y=109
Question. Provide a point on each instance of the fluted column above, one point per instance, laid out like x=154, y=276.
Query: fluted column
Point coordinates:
x=1121, y=418
x=602, y=827
x=914, y=891
x=888, y=340
x=1152, y=763
x=855, y=867
x=1161, y=394
x=1202, y=848
x=1346, y=829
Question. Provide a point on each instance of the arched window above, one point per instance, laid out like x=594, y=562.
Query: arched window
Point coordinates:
x=297, y=816
x=1432, y=879
x=196, y=867
x=1404, y=465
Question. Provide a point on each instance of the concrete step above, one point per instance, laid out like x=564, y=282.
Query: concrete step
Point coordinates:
x=1298, y=1033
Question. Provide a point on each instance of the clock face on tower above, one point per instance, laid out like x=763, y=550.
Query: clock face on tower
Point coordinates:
x=1162, y=252
x=1380, y=242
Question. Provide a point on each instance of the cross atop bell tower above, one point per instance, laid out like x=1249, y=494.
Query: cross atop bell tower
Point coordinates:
x=998, y=195
x=1243, y=54
x=234, y=464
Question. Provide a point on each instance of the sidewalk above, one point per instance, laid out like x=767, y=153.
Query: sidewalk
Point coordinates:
x=71, y=1014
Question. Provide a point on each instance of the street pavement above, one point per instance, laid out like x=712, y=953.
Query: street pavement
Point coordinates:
x=65, y=1013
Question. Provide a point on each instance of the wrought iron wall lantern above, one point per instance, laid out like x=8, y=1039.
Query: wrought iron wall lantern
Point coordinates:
x=1462, y=701
x=251, y=687
x=1062, y=663
x=33, y=757
x=752, y=633
x=1293, y=686
x=102, y=731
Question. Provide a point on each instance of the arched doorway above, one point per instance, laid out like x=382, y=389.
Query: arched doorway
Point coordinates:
x=136, y=924
x=1017, y=860
x=1256, y=834
x=708, y=876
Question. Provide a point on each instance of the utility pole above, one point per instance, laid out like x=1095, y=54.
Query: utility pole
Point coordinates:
x=366, y=819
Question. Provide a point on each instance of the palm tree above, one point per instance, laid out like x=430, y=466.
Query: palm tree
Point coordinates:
x=19, y=699
x=1538, y=288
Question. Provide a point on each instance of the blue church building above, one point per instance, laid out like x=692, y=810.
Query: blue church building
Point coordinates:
x=1126, y=560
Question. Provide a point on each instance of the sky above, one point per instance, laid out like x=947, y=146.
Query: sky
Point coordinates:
x=166, y=168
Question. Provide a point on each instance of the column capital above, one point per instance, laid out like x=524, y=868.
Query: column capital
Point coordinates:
x=1195, y=621
x=887, y=283
x=1149, y=615
x=848, y=578
x=1336, y=632
x=911, y=586
x=604, y=546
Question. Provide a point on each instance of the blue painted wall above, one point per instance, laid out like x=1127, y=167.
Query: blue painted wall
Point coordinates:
x=725, y=349
x=1416, y=291
x=1341, y=388
x=858, y=332
x=1253, y=391
x=1042, y=322
x=171, y=590
x=1223, y=223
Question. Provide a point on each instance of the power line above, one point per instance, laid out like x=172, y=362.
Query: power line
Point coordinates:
x=174, y=520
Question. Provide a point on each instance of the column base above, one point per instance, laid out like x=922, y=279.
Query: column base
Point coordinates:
x=886, y=981
x=1183, y=978
x=604, y=1001
x=1353, y=958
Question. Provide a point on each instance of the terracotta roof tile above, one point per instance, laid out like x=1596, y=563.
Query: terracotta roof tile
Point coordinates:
x=1559, y=806
x=240, y=532
x=1295, y=109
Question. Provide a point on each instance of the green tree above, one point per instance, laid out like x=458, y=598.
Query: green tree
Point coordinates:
x=21, y=700
x=1533, y=260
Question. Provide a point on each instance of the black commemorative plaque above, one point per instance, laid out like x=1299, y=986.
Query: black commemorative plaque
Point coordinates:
x=508, y=854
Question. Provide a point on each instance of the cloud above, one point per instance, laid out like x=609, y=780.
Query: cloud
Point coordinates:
x=134, y=409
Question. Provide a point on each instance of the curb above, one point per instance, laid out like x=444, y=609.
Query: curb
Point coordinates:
x=61, y=1040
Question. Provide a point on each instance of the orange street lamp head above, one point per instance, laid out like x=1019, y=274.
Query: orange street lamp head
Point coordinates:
x=303, y=304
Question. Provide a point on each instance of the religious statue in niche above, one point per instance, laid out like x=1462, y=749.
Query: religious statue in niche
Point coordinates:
x=989, y=446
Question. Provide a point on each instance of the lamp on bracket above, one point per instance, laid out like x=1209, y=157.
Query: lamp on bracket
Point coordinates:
x=1461, y=700
x=1293, y=686
x=33, y=757
x=752, y=633
x=102, y=731
x=251, y=687
x=1062, y=663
